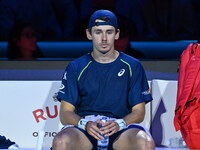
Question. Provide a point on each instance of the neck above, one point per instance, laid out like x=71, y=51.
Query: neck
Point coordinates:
x=27, y=54
x=105, y=58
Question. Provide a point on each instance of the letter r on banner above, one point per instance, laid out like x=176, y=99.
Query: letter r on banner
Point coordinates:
x=39, y=113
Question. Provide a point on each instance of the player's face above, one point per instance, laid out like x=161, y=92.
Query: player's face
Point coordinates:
x=103, y=38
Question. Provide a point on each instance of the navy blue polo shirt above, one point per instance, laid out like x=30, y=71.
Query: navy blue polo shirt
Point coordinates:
x=110, y=89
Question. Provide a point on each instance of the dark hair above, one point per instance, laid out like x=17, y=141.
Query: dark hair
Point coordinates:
x=13, y=51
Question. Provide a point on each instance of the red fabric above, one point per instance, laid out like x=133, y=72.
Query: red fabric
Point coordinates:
x=187, y=113
x=122, y=44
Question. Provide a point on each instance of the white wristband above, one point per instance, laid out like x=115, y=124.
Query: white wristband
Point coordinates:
x=82, y=123
x=121, y=123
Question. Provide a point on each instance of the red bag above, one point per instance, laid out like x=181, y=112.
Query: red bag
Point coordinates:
x=187, y=112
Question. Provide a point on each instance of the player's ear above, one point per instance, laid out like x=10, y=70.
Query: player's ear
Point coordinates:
x=117, y=34
x=88, y=33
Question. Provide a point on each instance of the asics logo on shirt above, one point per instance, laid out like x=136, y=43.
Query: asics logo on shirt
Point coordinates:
x=62, y=87
x=121, y=72
x=65, y=76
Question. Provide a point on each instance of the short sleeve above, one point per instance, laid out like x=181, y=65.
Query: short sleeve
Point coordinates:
x=139, y=89
x=69, y=90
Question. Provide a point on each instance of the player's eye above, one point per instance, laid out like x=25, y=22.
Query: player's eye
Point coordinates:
x=110, y=31
x=98, y=32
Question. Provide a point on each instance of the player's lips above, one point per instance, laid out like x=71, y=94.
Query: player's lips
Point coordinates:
x=104, y=45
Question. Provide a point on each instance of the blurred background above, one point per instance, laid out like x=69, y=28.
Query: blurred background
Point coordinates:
x=150, y=29
x=38, y=38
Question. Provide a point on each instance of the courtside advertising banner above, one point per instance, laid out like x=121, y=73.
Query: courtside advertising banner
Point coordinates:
x=164, y=94
x=28, y=109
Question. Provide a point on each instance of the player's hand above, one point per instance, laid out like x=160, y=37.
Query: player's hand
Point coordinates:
x=93, y=130
x=109, y=128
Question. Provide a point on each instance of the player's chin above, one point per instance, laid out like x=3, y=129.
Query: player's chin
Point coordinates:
x=104, y=51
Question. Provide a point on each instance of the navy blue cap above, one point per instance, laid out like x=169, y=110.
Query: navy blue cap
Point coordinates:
x=103, y=13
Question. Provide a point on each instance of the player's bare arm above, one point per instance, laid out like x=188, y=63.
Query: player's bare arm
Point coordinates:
x=67, y=114
x=136, y=116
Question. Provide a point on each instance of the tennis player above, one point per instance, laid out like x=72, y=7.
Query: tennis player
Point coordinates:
x=108, y=83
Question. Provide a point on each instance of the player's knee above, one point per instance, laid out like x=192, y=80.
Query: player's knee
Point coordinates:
x=61, y=139
x=145, y=143
x=151, y=144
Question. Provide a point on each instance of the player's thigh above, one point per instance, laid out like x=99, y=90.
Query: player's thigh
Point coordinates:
x=131, y=137
x=74, y=136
